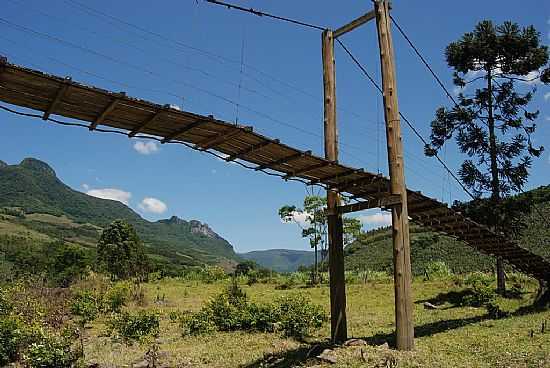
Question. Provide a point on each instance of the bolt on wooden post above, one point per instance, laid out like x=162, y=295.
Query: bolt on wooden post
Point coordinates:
x=404, y=323
x=338, y=322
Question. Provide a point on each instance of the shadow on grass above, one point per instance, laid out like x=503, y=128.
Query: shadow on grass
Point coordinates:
x=454, y=298
x=290, y=358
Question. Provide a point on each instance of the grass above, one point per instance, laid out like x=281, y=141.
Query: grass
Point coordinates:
x=451, y=336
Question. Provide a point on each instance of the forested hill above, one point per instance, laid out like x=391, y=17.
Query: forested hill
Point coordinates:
x=281, y=260
x=47, y=206
x=373, y=250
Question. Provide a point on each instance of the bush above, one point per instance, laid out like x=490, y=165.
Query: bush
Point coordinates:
x=438, y=270
x=298, y=316
x=12, y=335
x=134, y=327
x=117, y=297
x=231, y=311
x=494, y=311
x=86, y=306
x=50, y=352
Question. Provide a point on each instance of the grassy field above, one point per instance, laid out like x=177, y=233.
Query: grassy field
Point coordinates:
x=450, y=336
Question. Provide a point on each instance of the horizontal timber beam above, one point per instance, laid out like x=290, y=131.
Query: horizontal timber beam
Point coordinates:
x=184, y=129
x=221, y=138
x=58, y=97
x=251, y=149
x=354, y=24
x=337, y=176
x=283, y=160
x=307, y=169
x=106, y=111
x=146, y=123
x=379, y=203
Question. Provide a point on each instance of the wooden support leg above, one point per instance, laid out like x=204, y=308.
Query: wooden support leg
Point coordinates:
x=338, y=322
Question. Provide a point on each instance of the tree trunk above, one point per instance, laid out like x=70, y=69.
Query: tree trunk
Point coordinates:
x=543, y=296
x=315, y=271
x=495, y=183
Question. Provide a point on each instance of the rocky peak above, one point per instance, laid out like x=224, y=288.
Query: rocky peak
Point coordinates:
x=198, y=227
x=174, y=220
x=38, y=166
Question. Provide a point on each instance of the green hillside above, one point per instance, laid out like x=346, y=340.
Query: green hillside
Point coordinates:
x=373, y=250
x=281, y=260
x=34, y=199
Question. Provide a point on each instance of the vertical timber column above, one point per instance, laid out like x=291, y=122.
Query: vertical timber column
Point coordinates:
x=338, y=323
x=404, y=323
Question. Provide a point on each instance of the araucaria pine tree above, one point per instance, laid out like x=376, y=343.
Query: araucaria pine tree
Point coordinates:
x=496, y=69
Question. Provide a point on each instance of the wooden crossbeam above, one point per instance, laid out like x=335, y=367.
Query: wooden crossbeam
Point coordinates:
x=354, y=24
x=146, y=123
x=58, y=97
x=307, y=169
x=221, y=138
x=251, y=149
x=283, y=160
x=376, y=203
x=337, y=176
x=106, y=111
x=182, y=130
x=343, y=187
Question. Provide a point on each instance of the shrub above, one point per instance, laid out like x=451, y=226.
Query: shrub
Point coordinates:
x=50, y=352
x=5, y=304
x=494, y=311
x=477, y=279
x=211, y=274
x=298, y=316
x=86, y=306
x=134, y=327
x=438, y=270
x=231, y=310
x=117, y=297
x=11, y=337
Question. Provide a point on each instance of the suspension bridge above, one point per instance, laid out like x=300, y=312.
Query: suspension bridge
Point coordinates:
x=101, y=110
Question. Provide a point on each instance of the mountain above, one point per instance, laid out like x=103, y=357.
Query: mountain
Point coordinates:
x=45, y=206
x=281, y=260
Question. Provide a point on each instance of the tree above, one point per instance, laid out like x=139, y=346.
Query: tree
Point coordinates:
x=492, y=125
x=120, y=251
x=312, y=220
x=66, y=263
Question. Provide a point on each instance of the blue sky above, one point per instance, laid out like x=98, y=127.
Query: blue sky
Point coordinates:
x=198, y=60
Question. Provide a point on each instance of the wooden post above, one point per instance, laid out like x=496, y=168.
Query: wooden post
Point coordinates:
x=404, y=324
x=338, y=323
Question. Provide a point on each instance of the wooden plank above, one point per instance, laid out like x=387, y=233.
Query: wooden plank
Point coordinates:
x=338, y=319
x=307, y=169
x=377, y=203
x=336, y=176
x=183, y=130
x=156, y=115
x=106, y=111
x=221, y=138
x=284, y=160
x=355, y=23
x=251, y=149
x=58, y=97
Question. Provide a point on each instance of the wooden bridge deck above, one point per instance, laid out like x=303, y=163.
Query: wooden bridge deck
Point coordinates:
x=60, y=96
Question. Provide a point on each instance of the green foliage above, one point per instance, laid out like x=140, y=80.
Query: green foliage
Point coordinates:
x=51, y=352
x=138, y=327
x=481, y=290
x=12, y=337
x=86, y=305
x=121, y=252
x=296, y=316
x=438, y=270
x=67, y=263
x=492, y=124
x=117, y=296
x=213, y=273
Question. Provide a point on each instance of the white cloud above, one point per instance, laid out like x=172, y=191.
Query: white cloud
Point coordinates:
x=85, y=186
x=146, y=148
x=375, y=220
x=152, y=205
x=547, y=96
x=111, y=193
x=301, y=218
